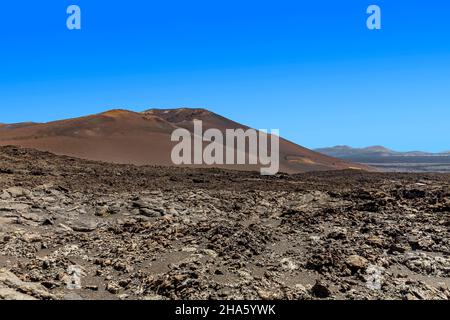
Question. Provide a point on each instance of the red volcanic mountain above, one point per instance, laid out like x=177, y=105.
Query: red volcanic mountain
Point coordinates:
x=122, y=136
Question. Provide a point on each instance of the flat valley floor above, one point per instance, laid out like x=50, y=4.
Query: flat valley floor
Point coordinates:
x=75, y=229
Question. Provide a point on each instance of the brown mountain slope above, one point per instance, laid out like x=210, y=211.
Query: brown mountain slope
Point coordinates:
x=293, y=158
x=122, y=136
x=115, y=136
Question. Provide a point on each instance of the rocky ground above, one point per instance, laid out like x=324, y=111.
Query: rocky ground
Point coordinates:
x=74, y=229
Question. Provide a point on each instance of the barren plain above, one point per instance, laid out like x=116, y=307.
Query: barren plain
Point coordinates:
x=79, y=229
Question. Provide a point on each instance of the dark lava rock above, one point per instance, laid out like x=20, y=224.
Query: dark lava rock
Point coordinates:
x=320, y=290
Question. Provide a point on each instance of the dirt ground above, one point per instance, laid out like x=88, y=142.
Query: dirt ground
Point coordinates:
x=76, y=229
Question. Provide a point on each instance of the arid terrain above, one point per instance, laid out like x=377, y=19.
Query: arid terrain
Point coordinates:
x=79, y=229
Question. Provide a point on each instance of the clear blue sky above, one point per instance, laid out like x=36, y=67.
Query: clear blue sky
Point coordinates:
x=310, y=68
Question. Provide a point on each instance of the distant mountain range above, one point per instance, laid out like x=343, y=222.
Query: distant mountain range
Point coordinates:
x=374, y=151
x=389, y=160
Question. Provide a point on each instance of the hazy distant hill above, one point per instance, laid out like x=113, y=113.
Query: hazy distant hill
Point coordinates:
x=390, y=160
x=375, y=151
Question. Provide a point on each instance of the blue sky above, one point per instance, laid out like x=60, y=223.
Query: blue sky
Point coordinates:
x=310, y=68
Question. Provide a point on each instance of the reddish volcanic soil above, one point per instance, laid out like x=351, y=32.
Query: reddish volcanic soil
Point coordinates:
x=126, y=137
